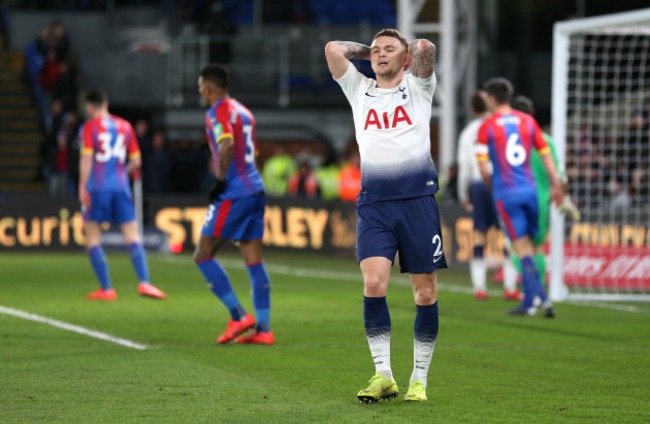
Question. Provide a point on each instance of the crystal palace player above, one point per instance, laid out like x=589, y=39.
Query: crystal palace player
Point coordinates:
x=506, y=138
x=237, y=204
x=105, y=193
x=396, y=209
x=477, y=197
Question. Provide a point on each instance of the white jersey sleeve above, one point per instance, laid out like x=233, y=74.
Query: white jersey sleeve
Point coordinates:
x=352, y=83
x=463, y=159
x=468, y=169
x=427, y=86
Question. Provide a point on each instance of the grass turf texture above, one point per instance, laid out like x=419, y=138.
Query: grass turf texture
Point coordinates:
x=589, y=364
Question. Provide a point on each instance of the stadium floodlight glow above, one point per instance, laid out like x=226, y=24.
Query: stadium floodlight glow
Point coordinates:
x=601, y=126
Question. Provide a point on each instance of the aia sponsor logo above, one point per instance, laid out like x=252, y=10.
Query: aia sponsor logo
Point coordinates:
x=399, y=115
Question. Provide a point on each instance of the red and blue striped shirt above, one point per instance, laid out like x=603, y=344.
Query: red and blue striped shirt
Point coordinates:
x=109, y=140
x=507, y=140
x=230, y=118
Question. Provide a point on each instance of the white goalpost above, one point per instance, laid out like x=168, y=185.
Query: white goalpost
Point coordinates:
x=601, y=127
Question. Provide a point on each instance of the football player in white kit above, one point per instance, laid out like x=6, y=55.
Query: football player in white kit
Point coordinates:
x=396, y=208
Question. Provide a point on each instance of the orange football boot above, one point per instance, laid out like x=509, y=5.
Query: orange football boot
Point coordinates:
x=258, y=338
x=513, y=295
x=149, y=290
x=481, y=295
x=235, y=328
x=101, y=294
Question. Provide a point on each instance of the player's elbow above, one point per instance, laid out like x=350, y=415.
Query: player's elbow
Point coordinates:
x=424, y=44
x=331, y=48
x=330, y=53
x=334, y=51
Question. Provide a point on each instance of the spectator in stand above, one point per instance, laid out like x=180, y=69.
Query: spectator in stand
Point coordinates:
x=64, y=171
x=277, y=171
x=328, y=181
x=59, y=175
x=50, y=71
x=56, y=77
x=350, y=178
x=54, y=37
x=65, y=86
x=59, y=40
x=53, y=124
x=157, y=165
x=639, y=153
x=42, y=40
x=304, y=183
x=141, y=129
x=70, y=132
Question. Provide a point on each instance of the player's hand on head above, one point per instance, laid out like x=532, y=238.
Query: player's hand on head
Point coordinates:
x=217, y=189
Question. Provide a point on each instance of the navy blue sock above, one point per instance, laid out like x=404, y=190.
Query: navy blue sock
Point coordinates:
x=478, y=251
x=139, y=261
x=425, y=334
x=219, y=284
x=376, y=320
x=375, y=313
x=529, y=280
x=261, y=285
x=426, y=322
x=100, y=266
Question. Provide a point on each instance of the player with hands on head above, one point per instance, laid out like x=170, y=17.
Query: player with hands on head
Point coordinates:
x=105, y=193
x=236, y=211
x=396, y=207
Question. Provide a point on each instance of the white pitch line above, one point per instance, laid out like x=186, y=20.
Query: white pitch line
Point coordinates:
x=398, y=279
x=71, y=327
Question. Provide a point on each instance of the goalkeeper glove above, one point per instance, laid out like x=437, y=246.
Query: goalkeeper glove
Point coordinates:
x=218, y=187
x=569, y=209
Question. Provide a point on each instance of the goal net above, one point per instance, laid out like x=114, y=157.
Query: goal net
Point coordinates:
x=601, y=124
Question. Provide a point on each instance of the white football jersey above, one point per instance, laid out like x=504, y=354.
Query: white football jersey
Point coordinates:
x=468, y=170
x=392, y=129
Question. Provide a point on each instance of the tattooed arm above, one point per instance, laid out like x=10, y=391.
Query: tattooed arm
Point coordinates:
x=424, y=58
x=339, y=53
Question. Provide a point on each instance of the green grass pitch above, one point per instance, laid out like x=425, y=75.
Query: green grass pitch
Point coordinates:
x=590, y=364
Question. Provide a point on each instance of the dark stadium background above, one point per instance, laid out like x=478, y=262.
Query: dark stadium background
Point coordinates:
x=147, y=54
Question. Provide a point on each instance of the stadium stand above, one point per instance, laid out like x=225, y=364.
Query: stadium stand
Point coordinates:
x=20, y=135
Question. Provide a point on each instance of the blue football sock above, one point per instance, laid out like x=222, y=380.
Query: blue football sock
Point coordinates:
x=540, y=261
x=425, y=333
x=219, y=284
x=376, y=320
x=139, y=261
x=529, y=280
x=261, y=285
x=478, y=251
x=100, y=266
